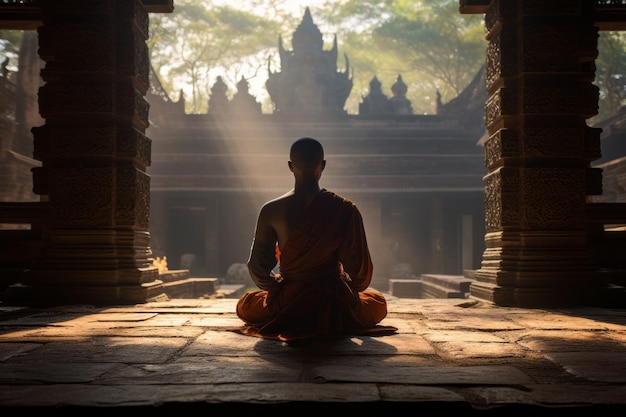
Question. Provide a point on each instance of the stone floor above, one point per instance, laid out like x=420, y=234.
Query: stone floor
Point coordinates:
x=449, y=355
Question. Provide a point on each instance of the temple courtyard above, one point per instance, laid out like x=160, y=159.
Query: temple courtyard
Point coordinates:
x=460, y=356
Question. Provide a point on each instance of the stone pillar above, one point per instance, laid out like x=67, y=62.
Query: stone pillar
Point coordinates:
x=214, y=209
x=438, y=251
x=370, y=208
x=94, y=155
x=540, y=68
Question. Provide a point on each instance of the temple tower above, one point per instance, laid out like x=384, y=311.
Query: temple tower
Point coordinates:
x=398, y=101
x=218, y=101
x=308, y=82
x=375, y=102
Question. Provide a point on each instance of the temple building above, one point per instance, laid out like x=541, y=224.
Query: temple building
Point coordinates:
x=102, y=171
x=416, y=178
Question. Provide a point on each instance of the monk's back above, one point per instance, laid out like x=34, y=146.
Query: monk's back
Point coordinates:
x=285, y=212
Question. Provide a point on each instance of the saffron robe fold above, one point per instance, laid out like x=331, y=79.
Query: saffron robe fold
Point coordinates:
x=325, y=270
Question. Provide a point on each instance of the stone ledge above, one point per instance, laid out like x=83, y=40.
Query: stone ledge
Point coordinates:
x=191, y=287
x=456, y=282
x=431, y=286
x=174, y=275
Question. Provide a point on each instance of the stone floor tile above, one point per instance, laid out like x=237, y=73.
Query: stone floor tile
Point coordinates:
x=42, y=319
x=82, y=395
x=57, y=373
x=220, y=343
x=286, y=392
x=593, y=366
x=8, y=350
x=105, y=349
x=469, y=322
x=421, y=393
x=242, y=370
x=555, y=321
x=461, y=336
x=460, y=350
x=214, y=321
x=461, y=375
x=53, y=333
x=396, y=344
x=582, y=394
x=569, y=341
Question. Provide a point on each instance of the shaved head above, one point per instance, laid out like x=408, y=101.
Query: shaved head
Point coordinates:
x=306, y=152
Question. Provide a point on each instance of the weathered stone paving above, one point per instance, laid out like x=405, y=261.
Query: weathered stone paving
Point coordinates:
x=449, y=354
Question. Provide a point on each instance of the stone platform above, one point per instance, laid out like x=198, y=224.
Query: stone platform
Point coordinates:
x=449, y=355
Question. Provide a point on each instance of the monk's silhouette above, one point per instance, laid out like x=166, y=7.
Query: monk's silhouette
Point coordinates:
x=318, y=240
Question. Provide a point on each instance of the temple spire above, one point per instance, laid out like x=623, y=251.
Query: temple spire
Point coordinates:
x=309, y=82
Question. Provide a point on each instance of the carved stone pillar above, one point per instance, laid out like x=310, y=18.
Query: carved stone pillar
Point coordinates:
x=94, y=155
x=540, y=68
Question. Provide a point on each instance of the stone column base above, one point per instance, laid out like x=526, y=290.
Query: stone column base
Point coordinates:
x=608, y=296
x=41, y=295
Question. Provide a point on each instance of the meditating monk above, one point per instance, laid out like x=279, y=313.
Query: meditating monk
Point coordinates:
x=317, y=239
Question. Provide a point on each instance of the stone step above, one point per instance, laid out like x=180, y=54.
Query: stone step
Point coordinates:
x=191, y=287
x=431, y=286
x=174, y=275
x=432, y=290
x=405, y=288
x=455, y=282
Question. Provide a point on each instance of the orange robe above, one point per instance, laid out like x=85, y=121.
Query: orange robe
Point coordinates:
x=325, y=269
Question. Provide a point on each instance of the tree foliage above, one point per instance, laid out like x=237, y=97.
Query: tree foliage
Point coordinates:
x=191, y=46
x=611, y=73
x=428, y=42
x=10, y=46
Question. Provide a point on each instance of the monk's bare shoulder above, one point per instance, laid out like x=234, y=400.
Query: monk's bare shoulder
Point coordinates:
x=279, y=205
x=277, y=215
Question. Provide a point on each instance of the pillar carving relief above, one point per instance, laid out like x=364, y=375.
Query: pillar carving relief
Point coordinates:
x=94, y=154
x=539, y=71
